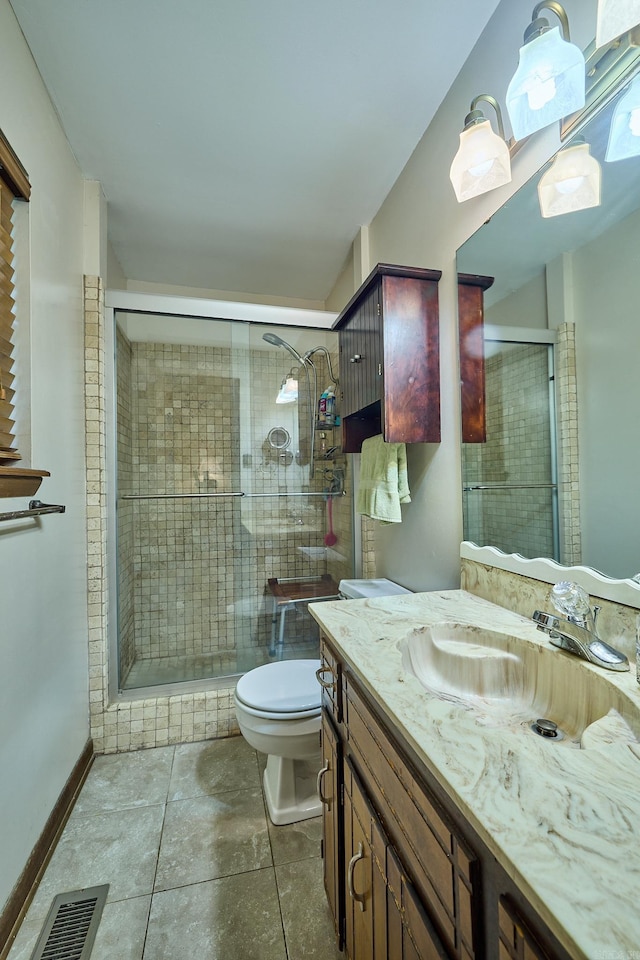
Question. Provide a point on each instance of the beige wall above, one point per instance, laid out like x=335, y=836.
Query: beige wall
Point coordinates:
x=43, y=579
x=421, y=224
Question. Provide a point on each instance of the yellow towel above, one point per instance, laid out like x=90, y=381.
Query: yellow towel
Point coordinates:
x=384, y=484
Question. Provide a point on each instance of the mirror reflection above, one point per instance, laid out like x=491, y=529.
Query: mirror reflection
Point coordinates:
x=558, y=473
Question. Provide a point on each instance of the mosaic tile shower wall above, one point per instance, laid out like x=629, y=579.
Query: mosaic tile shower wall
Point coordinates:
x=517, y=451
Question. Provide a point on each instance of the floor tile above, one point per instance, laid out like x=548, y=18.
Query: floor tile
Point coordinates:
x=208, y=837
x=118, y=781
x=295, y=841
x=122, y=930
x=235, y=918
x=308, y=926
x=213, y=766
x=119, y=848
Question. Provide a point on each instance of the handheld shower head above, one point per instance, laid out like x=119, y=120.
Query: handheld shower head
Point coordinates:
x=277, y=341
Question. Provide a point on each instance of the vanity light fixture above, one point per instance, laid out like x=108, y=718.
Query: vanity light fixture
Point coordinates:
x=571, y=183
x=549, y=83
x=482, y=162
x=624, y=133
x=615, y=17
x=288, y=392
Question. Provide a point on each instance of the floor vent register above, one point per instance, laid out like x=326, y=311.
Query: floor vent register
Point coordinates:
x=71, y=925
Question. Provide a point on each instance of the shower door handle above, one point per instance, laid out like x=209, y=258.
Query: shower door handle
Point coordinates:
x=176, y=496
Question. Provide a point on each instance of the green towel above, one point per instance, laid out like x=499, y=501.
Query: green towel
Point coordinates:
x=384, y=484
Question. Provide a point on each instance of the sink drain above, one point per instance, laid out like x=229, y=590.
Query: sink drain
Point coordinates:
x=547, y=729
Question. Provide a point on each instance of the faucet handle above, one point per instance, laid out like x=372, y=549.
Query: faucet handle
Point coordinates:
x=571, y=599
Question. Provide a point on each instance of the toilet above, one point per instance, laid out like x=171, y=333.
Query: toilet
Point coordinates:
x=278, y=707
x=362, y=589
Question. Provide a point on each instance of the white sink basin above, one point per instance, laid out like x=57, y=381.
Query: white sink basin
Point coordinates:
x=511, y=682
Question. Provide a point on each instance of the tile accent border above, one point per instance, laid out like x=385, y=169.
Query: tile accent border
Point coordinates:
x=125, y=725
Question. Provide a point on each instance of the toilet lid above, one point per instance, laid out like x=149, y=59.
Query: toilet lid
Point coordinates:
x=288, y=686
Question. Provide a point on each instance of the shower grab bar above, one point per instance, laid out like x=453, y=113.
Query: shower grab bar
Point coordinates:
x=194, y=496
x=36, y=509
x=510, y=486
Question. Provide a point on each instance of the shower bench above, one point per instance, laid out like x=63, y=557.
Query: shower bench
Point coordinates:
x=288, y=592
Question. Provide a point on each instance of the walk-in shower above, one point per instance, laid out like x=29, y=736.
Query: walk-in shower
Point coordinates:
x=218, y=489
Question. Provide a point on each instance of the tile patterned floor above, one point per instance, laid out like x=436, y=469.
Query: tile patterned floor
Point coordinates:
x=195, y=867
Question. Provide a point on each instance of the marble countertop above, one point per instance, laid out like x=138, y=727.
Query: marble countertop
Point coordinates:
x=564, y=823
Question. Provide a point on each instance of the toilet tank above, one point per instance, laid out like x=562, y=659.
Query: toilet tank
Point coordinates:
x=357, y=589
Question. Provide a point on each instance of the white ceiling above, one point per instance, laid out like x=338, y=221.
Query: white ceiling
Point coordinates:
x=242, y=143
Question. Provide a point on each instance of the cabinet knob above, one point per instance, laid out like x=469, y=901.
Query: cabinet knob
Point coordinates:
x=356, y=358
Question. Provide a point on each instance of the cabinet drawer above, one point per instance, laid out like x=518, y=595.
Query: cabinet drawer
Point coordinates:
x=433, y=853
x=330, y=678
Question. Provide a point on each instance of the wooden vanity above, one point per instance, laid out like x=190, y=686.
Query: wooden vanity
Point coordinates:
x=408, y=872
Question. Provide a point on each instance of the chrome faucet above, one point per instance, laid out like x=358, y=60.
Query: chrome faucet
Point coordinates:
x=576, y=631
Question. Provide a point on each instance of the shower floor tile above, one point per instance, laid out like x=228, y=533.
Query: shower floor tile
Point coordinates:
x=160, y=827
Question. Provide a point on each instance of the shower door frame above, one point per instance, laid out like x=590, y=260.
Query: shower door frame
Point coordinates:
x=543, y=337
x=186, y=307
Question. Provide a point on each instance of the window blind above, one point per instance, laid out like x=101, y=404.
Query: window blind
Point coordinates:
x=14, y=185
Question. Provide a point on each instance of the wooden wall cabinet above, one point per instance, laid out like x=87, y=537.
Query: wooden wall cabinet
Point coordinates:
x=390, y=358
x=471, y=290
x=406, y=876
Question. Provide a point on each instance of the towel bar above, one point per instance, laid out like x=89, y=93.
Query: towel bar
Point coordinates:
x=36, y=509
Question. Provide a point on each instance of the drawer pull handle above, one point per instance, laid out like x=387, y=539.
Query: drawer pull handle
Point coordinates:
x=325, y=683
x=321, y=774
x=352, y=865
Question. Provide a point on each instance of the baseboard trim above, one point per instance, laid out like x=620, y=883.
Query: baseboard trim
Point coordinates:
x=18, y=903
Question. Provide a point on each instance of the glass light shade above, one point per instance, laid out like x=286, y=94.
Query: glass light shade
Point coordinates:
x=482, y=162
x=615, y=17
x=548, y=84
x=288, y=392
x=624, y=133
x=571, y=183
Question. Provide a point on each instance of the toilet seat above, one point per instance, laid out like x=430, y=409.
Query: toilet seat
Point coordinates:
x=285, y=690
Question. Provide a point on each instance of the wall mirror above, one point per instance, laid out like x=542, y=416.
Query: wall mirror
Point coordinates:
x=559, y=472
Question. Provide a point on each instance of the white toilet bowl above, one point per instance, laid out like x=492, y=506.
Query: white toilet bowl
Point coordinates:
x=278, y=709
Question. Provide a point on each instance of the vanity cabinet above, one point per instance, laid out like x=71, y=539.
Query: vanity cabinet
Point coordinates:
x=406, y=876
x=389, y=358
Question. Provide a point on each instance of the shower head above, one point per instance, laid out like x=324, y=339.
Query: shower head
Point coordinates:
x=277, y=341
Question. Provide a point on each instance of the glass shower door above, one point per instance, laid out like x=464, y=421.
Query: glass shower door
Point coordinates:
x=510, y=481
x=214, y=497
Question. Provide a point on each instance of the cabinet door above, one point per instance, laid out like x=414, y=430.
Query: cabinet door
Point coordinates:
x=411, y=933
x=361, y=355
x=330, y=789
x=517, y=941
x=365, y=855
